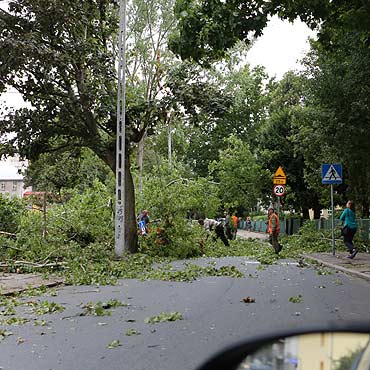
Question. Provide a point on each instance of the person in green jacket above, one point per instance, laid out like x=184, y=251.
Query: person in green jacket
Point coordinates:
x=349, y=229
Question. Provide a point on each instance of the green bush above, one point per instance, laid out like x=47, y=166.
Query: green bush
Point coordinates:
x=84, y=219
x=176, y=238
x=170, y=195
x=29, y=237
x=11, y=210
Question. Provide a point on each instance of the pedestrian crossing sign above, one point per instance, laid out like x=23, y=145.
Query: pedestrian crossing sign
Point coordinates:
x=331, y=173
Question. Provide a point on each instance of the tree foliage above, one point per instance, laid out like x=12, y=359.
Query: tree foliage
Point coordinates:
x=335, y=125
x=11, y=210
x=55, y=172
x=347, y=361
x=237, y=106
x=207, y=28
x=61, y=58
x=239, y=175
x=171, y=191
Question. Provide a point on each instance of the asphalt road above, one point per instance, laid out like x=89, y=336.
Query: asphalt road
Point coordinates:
x=213, y=316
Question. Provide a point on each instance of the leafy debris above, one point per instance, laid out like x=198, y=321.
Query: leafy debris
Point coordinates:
x=45, y=307
x=131, y=332
x=163, y=317
x=296, y=299
x=114, y=344
x=249, y=300
x=101, y=308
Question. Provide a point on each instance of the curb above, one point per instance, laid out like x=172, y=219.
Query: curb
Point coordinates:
x=339, y=268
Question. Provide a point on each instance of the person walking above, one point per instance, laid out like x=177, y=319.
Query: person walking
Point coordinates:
x=234, y=222
x=348, y=217
x=273, y=228
x=249, y=224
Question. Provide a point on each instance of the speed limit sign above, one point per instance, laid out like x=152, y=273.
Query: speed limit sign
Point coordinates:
x=279, y=190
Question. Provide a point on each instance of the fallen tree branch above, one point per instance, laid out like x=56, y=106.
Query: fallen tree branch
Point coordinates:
x=12, y=247
x=32, y=264
x=8, y=234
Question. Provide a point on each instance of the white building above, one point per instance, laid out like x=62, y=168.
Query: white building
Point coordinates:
x=11, y=178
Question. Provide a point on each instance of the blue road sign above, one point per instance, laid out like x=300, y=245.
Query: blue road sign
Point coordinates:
x=331, y=173
x=142, y=227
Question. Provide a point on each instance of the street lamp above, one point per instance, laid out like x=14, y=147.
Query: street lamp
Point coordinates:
x=119, y=246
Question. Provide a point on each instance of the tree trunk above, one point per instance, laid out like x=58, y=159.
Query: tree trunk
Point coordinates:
x=140, y=161
x=130, y=217
x=317, y=212
x=305, y=213
x=365, y=209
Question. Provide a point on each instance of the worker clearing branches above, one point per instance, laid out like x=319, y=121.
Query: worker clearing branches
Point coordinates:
x=273, y=228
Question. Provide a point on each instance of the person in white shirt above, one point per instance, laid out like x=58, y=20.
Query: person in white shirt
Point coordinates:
x=210, y=224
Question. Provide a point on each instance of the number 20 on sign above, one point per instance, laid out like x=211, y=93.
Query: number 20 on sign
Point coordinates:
x=279, y=190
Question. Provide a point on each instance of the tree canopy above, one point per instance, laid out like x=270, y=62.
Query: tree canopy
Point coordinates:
x=207, y=28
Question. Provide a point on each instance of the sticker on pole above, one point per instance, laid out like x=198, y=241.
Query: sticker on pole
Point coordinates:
x=331, y=174
x=279, y=190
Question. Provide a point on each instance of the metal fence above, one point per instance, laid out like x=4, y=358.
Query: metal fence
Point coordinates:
x=288, y=226
x=363, y=230
x=291, y=226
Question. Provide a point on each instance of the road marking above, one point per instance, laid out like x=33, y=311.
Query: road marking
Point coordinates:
x=278, y=263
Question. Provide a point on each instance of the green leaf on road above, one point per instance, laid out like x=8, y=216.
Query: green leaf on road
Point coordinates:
x=46, y=307
x=296, y=299
x=164, y=316
x=116, y=343
x=131, y=332
x=102, y=308
x=40, y=323
x=14, y=321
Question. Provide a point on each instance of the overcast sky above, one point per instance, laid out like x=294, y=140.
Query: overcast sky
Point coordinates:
x=278, y=50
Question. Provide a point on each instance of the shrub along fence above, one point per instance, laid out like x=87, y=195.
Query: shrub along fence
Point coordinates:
x=291, y=226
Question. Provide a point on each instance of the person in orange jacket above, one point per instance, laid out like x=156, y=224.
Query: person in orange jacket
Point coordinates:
x=273, y=228
x=234, y=221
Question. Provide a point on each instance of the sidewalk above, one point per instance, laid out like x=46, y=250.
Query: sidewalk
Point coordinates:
x=359, y=266
x=251, y=234
x=11, y=283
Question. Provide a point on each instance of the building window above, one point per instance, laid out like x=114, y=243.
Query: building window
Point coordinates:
x=14, y=185
x=2, y=186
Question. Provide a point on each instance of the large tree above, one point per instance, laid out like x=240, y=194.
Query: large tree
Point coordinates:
x=231, y=103
x=279, y=145
x=335, y=126
x=61, y=57
x=209, y=27
x=239, y=175
x=148, y=58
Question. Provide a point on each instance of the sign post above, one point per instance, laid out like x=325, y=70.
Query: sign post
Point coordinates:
x=279, y=185
x=332, y=174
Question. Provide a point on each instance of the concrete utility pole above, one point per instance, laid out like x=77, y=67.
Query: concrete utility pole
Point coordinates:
x=119, y=246
x=169, y=138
